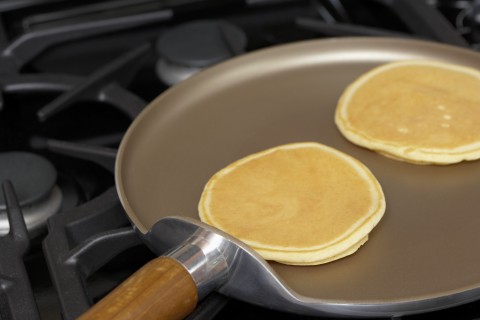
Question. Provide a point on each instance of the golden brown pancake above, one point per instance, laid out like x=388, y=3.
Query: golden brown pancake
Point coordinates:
x=300, y=203
x=423, y=112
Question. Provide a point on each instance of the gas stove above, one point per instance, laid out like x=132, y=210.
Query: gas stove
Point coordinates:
x=74, y=74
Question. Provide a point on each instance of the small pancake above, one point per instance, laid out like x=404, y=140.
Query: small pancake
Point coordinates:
x=423, y=112
x=300, y=203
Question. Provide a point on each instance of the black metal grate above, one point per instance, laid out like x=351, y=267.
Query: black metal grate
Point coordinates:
x=80, y=242
x=16, y=296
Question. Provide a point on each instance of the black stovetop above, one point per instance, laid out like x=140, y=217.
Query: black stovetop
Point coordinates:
x=74, y=74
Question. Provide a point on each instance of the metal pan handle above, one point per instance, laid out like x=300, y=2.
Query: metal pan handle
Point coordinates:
x=169, y=287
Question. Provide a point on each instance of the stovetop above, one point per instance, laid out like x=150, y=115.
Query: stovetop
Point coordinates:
x=74, y=74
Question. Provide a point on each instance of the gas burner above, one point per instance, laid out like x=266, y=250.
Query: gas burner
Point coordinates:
x=191, y=47
x=34, y=179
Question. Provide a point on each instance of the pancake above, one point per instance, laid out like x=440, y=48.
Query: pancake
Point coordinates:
x=300, y=203
x=423, y=112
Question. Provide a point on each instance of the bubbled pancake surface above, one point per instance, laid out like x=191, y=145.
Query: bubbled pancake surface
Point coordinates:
x=424, y=112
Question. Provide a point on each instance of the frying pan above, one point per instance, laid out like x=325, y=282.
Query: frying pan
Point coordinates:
x=423, y=255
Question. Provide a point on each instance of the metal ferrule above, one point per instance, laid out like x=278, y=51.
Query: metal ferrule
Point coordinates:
x=203, y=255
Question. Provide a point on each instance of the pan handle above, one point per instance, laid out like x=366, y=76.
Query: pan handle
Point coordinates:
x=169, y=286
x=161, y=289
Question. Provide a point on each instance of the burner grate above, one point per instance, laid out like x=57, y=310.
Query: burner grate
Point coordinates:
x=79, y=243
x=16, y=296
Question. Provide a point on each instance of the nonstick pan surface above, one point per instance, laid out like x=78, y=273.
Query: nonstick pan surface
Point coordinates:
x=427, y=244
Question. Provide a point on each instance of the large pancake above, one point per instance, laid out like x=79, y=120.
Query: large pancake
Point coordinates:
x=300, y=203
x=423, y=112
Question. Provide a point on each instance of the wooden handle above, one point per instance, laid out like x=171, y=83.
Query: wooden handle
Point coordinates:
x=162, y=289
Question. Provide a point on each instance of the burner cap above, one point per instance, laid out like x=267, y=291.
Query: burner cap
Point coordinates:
x=32, y=176
x=202, y=43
